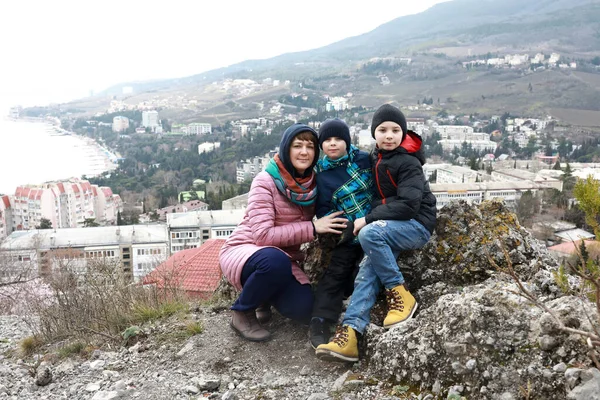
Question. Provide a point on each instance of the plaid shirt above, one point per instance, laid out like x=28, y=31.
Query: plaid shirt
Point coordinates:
x=354, y=196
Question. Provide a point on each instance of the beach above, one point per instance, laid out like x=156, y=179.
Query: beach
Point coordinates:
x=37, y=152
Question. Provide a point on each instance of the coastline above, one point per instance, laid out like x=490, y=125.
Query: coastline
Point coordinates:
x=45, y=152
x=104, y=160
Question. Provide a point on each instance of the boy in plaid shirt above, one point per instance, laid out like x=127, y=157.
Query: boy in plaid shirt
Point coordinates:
x=344, y=183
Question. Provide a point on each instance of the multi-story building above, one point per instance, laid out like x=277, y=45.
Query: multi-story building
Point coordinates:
x=477, y=145
x=456, y=174
x=541, y=178
x=135, y=249
x=246, y=170
x=197, y=128
x=191, y=229
x=235, y=203
x=150, y=119
x=509, y=192
x=459, y=132
x=337, y=104
x=208, y=147
x=66, y=204
x=120, y=124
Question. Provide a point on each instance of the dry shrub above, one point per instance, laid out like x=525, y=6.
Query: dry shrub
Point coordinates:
x=95, y=299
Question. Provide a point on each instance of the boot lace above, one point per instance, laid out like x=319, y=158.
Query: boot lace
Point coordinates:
x=394, y=300
x=341, y=336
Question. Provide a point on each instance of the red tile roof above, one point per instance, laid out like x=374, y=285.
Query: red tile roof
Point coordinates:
x=570, y=247
x=75, y=187
x=61, y=187
x=6, y=201
x=196, y=271
x=22, y=191
x=95, y=190
x=107, y=191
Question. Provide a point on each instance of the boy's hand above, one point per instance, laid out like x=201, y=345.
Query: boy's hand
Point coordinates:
x=331, y=223
x=359, y=224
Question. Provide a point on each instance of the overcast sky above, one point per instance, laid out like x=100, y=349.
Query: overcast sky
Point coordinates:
x=57, y=50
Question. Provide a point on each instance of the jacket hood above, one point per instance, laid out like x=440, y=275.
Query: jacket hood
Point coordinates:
x=286, y=141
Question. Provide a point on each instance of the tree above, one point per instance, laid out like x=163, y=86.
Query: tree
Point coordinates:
x=119, y=218
x=90, y=223
x=45, y=223
x=557, y=165
x=527, y=206
x=586, y=191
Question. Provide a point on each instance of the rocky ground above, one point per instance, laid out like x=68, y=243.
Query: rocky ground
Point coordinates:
x=214, y=364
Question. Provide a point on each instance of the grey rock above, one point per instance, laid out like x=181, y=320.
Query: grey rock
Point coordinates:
x=106, y=395
x=588, y=390
x=547, y=342
x=43, y=374
x=560, y=367
x=319, y=396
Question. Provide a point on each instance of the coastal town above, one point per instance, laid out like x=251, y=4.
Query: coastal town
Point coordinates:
x=473, y=158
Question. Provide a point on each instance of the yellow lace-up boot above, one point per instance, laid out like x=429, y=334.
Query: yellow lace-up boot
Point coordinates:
x=401, y=306
x=342, y=347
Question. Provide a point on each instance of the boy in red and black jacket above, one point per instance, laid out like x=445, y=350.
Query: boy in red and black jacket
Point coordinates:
x=402, y=217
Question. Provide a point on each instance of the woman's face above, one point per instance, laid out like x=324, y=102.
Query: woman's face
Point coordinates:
x=302, y=154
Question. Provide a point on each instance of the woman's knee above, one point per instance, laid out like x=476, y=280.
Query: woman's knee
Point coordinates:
x=275, y=262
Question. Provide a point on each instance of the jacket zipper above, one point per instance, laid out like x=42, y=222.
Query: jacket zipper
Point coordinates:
x=391, y=179
x=377, y=178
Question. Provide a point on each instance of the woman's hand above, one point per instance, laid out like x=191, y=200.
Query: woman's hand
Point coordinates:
x=359, y=223
x=331, y=223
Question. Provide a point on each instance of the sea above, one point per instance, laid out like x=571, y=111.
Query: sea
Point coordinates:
x=36, y=152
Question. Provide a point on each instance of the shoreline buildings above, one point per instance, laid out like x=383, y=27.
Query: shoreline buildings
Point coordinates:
x=66, y=204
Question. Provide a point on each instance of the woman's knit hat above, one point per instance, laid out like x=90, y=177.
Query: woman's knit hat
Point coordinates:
x=388, y=112
x=286, y=141
x=334, y=128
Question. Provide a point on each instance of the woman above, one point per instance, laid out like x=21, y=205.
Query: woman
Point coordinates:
x=261, y=257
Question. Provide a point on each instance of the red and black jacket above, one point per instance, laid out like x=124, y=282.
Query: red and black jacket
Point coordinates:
x=401, y=190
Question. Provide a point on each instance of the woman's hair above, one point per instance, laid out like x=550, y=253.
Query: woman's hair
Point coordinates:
x=307, y=136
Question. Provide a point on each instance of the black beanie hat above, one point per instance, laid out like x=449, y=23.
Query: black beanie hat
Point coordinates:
x=334, y=128
x=388, y=112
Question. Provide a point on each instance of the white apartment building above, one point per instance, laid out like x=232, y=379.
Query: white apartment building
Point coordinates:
x=150, y=119
x=191, y=229
x=208, y=147
x=542, y=178
x=457, y=174
x=247, y=169
x=538, y=59
x=337, y=104
x=67, y=204
x=475, y=193
x=198, y=128
x=554, y=58
x=120, y=124
x=235, y=203
x=136, y=249
x=454, y=131
x=429, y=169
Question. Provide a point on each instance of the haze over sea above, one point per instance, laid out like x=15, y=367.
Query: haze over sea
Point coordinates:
x=29, y=154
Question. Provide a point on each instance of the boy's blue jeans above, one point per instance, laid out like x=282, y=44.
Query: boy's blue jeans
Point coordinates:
x=382, y=242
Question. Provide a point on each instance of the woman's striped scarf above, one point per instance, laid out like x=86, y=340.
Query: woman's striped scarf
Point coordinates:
x=301, y=191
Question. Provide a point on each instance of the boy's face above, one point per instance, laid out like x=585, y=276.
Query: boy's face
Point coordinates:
x=334, y=147
x=388, y=135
